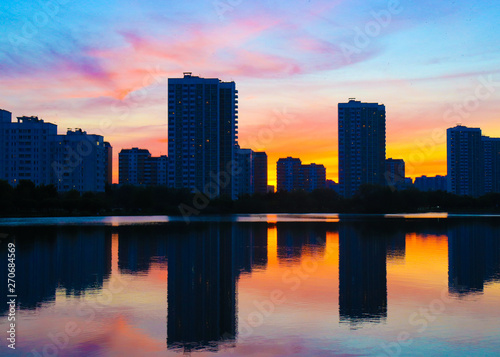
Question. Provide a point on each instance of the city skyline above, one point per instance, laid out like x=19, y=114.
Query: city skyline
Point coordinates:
x=111, y=79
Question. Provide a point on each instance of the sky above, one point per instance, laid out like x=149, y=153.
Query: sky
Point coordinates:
x=103, y=67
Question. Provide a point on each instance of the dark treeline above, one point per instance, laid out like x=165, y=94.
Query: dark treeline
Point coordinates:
x=26, y=199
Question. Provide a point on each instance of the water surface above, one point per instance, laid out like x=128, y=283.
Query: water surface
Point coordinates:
x=256, y=285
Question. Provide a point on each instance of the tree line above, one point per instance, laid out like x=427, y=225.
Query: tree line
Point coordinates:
x=27, y=199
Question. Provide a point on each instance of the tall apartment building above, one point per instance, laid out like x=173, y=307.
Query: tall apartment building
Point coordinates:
x=202, y=133
x=289, y=174
x=132, y=166
x=313, y=176
x=79, y=161
x=465, y=161
x=362, y=143
x=32, y=150
x=491, y=147
x=26, y=149
x=260, y=172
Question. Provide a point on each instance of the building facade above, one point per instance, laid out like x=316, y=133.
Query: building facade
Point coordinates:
x=394, y=172
x=132, y=166
x=491, y=148
x=289, y=174
x=465, y=161
x=202, y=133
x=362, y=145
x=156, y=169
x=32, y=150
x=260, y=172
x=79, y=162
x=26, y=152
x=313, y=176
x=108, y=163
x=436, y=183
x=244, y=178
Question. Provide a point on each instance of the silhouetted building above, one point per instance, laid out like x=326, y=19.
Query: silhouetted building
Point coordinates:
x=289, y=174
x=132, y=166
x=259, y=172
x=32, y=150
x=465, y=161
x=245, y=177
x=156, y=170
x=202, y=132
x=79, y=162
x=491, y=147
x=332, y=185
x=313, y=176
x=270, y=188
x=437, y=183
x=394, y=172
x=108, y=163
x=361, y=145
x=362, y=275
x=26, y=152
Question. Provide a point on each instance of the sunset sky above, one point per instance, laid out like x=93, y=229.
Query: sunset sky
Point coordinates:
x=102, y=67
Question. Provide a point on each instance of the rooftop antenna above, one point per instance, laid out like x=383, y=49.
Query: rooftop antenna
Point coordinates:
x=352, y=98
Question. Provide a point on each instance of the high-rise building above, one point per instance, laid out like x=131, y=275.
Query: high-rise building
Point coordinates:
x=202, y=133
x=394, y=171
x=313, y=176
x=79, y=162
x=491, y=147
x=260, y=172
x=132, y=166
x=108, y=163
x=289, y=174
x=465, y=161
x=26, y=149
x=361, y=145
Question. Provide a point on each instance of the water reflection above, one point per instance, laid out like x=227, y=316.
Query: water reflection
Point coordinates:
x=68, y=258
x=473, y=257
x=294, y=237
x=205, y=263
x=362, y=274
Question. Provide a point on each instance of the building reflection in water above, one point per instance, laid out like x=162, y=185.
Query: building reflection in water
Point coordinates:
x=473, y=257
x=139, y=246
x=294, y=237
x=204, y=264
x=75, y=259
x=205, y=261
x=362, y=274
